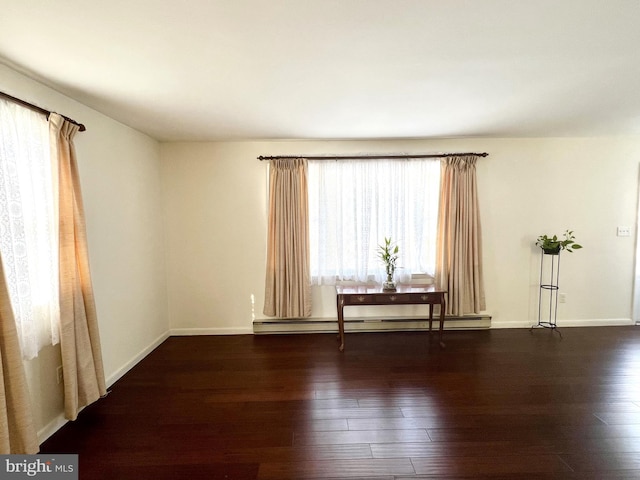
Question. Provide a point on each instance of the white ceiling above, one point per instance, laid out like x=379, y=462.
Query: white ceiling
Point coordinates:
x=337, y=69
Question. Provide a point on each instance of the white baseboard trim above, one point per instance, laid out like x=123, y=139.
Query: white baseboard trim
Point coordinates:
x=52, y=427
x=365, y=324
x=114, y=377
x=586, y=322
x=58, y=422
x=181, y=332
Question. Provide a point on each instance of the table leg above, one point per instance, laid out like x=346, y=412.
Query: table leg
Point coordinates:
x=442, y=309
x=430, y=317
x=341, y=321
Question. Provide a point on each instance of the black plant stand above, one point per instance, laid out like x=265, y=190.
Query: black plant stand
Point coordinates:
x=547, y=317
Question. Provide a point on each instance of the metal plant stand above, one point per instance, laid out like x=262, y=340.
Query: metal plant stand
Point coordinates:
x=549, y=289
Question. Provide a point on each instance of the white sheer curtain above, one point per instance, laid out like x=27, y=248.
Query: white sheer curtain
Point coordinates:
x=28, y=232
x=355, y=204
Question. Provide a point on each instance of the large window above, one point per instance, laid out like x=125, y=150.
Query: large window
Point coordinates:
x=28, y=233
x=355, y=204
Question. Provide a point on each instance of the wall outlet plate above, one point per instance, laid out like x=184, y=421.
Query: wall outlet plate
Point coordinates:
x=624, y=231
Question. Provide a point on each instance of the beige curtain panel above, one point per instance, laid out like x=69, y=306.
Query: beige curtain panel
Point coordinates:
x=79, y=337
x=17, y=432
x=459, y=242
x=288, y=278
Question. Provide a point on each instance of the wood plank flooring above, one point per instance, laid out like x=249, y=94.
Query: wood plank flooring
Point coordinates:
x=494, y=404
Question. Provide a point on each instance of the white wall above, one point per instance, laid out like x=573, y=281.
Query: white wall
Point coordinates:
x=120, y=179
x=215, y=198
x=216, y=225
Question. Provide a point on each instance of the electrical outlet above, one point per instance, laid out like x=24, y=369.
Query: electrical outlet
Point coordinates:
x=59, y=374
x=562, y=298
x=624, y=231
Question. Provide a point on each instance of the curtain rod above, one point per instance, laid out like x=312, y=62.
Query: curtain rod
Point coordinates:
x=374, y=157
x=38, y=109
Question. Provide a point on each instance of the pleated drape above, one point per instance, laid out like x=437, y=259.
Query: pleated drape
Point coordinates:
x=459, y=242
x=288, y=279
x=17, y=431
x=82, y=363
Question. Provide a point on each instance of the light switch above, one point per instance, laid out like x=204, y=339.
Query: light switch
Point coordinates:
x=624, y=231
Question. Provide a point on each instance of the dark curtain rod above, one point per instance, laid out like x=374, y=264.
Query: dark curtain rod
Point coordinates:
x=38, y=109
x=375, y=157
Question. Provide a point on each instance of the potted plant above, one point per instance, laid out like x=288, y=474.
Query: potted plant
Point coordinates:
x=388, y=253
x=551, y=245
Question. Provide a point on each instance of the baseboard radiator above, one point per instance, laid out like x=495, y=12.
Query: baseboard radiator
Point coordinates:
x=329, y=325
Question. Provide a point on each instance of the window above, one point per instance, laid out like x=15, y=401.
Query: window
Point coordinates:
x=355, y=204
x=28, y=234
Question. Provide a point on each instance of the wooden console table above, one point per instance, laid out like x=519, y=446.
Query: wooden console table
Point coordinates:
x=353, y=295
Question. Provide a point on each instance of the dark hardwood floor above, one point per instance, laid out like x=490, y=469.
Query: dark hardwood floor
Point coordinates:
x=494, y=404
